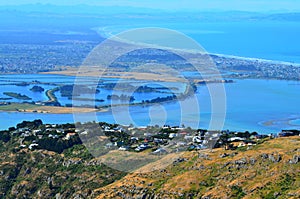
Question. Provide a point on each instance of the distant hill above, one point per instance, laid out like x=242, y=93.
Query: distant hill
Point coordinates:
x=77, y=9
x=283, y=17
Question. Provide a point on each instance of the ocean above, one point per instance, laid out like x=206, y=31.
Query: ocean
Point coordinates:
x=271, y=40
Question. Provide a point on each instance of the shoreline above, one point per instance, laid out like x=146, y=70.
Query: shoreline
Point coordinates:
x=44, y=109
x=102, y=31
x=255, y=59
x=162, y=75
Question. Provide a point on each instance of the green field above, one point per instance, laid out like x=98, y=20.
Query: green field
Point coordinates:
x=18, y=106
x=17, y=95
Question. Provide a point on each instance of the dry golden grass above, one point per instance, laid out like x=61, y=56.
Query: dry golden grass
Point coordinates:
x=157, y=74
x=183, y=178
x=28, y=108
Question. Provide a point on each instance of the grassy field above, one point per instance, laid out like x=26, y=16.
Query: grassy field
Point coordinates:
x=157, y=74
x=31, y=108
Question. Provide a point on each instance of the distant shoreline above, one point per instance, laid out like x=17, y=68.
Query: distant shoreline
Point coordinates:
x=255, y=59
x=102, y=31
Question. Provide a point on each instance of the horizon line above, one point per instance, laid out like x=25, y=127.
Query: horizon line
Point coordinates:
x=184, y=10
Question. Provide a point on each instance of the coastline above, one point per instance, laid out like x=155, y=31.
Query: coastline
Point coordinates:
x=255, y=59
x=64, y=110
x=225, y=66
x=106, y=34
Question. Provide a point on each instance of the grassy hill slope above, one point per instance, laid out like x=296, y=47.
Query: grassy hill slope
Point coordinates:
x=268, y=170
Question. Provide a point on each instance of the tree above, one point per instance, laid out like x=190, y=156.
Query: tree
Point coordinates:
x=224, y=139
x=254, y=133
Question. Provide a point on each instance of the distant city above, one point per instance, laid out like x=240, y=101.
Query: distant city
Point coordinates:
x=27, y=58
x=33, y=58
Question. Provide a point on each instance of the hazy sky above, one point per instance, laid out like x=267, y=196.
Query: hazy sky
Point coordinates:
x=245, y=5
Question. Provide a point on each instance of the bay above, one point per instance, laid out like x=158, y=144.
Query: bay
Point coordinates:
x=265, y=106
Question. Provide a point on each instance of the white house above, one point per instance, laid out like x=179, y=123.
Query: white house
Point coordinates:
x=31, y=146
x=233, y=139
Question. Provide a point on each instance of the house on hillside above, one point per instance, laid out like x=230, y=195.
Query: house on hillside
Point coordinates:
x=246, y=143
x=235, y=139
x=173, y=135
x=197, y=139
x=32, y=146
x=124, y=148
x=69, y=135
x=287, y=133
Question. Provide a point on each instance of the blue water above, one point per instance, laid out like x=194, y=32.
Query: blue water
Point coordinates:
x=272, y=40
x=266, y=106
x=295, y=122
x=250, y=104
x=56, y=80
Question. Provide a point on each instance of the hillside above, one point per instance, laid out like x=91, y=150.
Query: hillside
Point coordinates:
x=49, y=161
x=268, y=170
x=57, y=168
